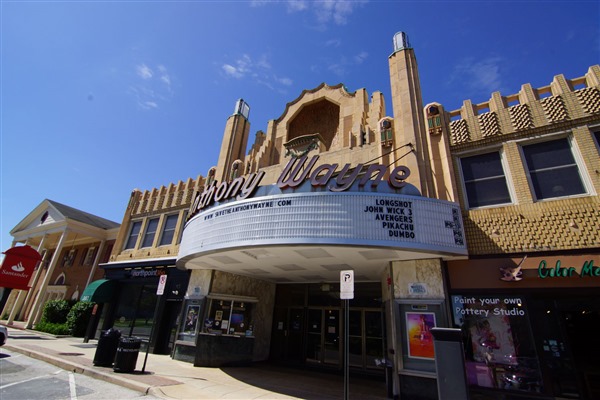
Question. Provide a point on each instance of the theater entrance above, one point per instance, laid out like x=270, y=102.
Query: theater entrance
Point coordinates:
x=313, y=335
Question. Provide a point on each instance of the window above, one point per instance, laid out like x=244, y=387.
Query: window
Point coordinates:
x=229, y=317
x=484, y=179
x=88, y=258
x=107, y=252
x=185, y=213
x=168, y=230
x=552, y=169
x=60, y=280
x=597, y=137
x=150, y=232
x=69, y=258
x=500, y=351
x=133, y=235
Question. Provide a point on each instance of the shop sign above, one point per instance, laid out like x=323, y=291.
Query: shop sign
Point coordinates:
x=510, y=274
x=558, y=271
x=488, y=306
x=145, y=273
x=296, y=172
x=17, y=267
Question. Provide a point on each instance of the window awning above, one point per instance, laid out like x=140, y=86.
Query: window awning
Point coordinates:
x=100, y=291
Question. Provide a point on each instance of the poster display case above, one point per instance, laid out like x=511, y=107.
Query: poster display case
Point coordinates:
x=189, y=324
x=415, y=319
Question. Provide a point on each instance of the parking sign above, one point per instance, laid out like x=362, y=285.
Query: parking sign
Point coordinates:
x=347, y=284
x=162, y=281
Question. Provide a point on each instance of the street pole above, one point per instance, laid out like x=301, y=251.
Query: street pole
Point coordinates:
x=346, y=293
x=346, y=349
x=151, y=332
x=160, y=290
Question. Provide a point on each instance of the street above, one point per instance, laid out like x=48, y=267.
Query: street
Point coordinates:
x=25, y=378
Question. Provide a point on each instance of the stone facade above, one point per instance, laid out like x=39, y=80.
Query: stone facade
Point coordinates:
x=564, y=106
x=174, y=199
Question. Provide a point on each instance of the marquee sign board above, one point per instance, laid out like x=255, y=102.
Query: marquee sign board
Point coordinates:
x=328, y=218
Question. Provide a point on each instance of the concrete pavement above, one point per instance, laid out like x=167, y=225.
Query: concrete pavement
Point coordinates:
x=171, y=379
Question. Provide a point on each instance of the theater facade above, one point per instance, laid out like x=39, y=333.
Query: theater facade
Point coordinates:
x=483, y=219
x=334, y=184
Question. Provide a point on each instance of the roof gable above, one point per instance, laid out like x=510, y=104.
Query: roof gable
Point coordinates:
x=50, y=212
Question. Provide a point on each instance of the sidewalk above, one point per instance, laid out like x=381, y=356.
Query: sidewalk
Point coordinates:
x=171, y=379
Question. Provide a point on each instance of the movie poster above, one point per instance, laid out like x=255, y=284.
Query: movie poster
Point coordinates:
x=418, y=330
x=191, y=318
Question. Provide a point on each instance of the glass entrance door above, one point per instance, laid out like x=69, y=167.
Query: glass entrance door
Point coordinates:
x=295, y=334
x=323, y=336
x=332, y=354
x=365, y=338
x=314, y=336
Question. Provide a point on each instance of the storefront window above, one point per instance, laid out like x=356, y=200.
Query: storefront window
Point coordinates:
x=229, y=317
x=135, y=310
x=499, y=347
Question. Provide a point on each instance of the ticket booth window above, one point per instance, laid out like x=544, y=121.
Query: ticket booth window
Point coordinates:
x=229, y=316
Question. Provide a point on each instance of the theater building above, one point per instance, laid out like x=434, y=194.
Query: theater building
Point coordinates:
x=334, y=184
x=483, y=218
x=527, y=168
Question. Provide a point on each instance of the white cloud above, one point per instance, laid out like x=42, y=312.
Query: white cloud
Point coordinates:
x=296, y=5
x=284, y=81
x=154, y=88
x=243, y=66
x=166, y=79
x=333, y=43
x=164, y=76
x=482, y=76
x=232, y=71
x=326, y=11
x=256, y=69
x=263, y=62
x=337, y=11
x=339, y=66
x=259, y=3
x=362, y=56
x=149, y=105
x=144, y=72
x=337, y=69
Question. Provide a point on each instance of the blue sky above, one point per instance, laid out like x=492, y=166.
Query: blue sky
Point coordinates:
x=101, y=97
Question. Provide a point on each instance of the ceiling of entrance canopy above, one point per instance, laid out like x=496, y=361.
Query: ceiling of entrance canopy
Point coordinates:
x=303, y=264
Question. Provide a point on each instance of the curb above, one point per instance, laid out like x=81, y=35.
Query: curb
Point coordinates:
x=84, y=370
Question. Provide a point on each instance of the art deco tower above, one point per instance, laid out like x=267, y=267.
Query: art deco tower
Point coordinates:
x=235, y=140
x=407, y=103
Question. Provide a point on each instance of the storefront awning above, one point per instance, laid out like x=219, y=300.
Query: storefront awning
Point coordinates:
x=99, y=291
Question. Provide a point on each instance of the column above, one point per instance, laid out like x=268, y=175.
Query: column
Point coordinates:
x=39, y=300
x=96, y=262
x=25, y=294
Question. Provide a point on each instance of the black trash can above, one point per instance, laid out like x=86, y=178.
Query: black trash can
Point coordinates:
x=127, y=354
x=107, y=347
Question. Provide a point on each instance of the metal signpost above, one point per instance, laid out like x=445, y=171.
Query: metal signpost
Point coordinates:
x=346, y=293
x=160, y=290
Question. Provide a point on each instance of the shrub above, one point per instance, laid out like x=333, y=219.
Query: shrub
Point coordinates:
x=79, y=317
x=52, y=328
x=56, y=311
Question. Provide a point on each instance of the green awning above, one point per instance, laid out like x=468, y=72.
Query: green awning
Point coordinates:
x=99, y=291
